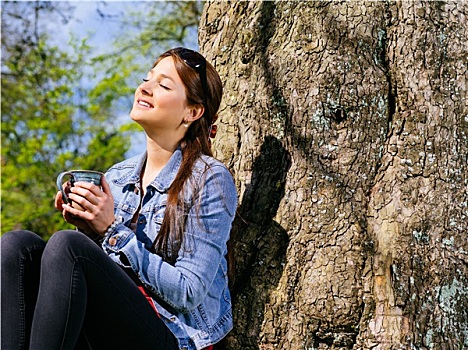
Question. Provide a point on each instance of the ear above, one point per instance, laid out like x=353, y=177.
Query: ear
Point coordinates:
x=194, y=113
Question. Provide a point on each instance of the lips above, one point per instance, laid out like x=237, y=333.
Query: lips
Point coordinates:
x=144, y=103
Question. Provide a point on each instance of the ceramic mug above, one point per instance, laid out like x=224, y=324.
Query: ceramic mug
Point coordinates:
x=78, y=175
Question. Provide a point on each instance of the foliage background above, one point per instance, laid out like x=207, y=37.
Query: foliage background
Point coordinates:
x=62, y=103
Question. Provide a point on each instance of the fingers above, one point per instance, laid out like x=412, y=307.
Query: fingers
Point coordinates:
x=98, y=205
x=95, y=190
x=87, y=190
x=76, y=221
x=105, y=186
x=68, y=216
x=58, y=201
x=72, y=215
x=84, y=192
x=82, y=195
x=97, y=220
x=88, y=197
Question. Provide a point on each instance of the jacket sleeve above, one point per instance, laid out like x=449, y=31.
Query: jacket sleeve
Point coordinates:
x=185, y=284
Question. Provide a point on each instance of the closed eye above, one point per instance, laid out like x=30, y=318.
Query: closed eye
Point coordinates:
x=163, y=86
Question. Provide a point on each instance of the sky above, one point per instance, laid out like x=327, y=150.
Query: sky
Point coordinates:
x=87, y=22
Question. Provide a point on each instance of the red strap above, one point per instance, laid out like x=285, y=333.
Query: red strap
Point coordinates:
x=145, y=293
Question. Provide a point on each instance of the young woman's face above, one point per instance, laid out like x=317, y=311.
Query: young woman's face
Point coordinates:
x=161, y=102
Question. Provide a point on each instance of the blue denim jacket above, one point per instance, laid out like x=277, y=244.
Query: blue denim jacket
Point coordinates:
x=192, y=296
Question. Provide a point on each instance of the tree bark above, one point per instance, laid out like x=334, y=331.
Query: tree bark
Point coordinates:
x=345, y=124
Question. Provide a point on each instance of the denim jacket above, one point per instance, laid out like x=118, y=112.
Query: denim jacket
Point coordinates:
x=192, y=295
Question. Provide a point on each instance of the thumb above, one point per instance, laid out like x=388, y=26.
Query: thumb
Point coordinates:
x=105, y=186
x=59, y=201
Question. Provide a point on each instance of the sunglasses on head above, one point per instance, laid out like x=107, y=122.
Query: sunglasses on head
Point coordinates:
x=196, y=61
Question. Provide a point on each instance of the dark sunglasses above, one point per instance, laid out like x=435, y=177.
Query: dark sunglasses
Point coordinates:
x=196, y=61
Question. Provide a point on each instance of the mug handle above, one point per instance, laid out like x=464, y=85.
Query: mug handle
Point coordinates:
x=60, y=184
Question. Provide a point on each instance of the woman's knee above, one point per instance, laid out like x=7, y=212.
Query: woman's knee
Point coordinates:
x=65, y=238
x=16, y=243
x=65, y=243
x=17, y=240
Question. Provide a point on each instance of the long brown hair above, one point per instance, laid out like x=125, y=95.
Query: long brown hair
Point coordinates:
x=194, y=144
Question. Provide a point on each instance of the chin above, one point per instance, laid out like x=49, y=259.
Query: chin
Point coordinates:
x=134, y=116
x=139, y=121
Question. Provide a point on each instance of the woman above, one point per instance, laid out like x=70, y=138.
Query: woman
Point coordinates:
x=157, y=279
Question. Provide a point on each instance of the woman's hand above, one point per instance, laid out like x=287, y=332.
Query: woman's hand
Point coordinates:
x=71, y=219
x=98, y=206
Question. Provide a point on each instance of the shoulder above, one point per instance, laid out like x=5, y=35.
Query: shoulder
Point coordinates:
x=125, y=171
x=209, y=166
x=127, y=163
x=215, y=181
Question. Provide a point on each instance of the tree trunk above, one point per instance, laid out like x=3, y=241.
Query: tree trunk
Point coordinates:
x=345, y=125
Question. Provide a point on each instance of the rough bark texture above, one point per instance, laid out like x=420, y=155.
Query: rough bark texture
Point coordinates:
x=345, y=124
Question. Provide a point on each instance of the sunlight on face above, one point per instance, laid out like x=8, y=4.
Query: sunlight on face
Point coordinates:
x=160, y=101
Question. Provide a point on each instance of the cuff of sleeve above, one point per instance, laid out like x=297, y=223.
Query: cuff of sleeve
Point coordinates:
x=112, y=228
x=116, y=238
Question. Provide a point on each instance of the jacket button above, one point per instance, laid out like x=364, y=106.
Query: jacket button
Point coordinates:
x=112, y=241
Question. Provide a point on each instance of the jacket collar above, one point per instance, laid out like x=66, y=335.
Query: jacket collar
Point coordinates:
x=164, y=179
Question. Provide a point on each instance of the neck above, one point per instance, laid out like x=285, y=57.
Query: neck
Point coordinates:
x=158, y=154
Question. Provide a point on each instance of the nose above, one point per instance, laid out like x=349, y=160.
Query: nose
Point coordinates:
x=146, y=88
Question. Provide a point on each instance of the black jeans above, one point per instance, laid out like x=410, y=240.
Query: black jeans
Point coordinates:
x=68, y=294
